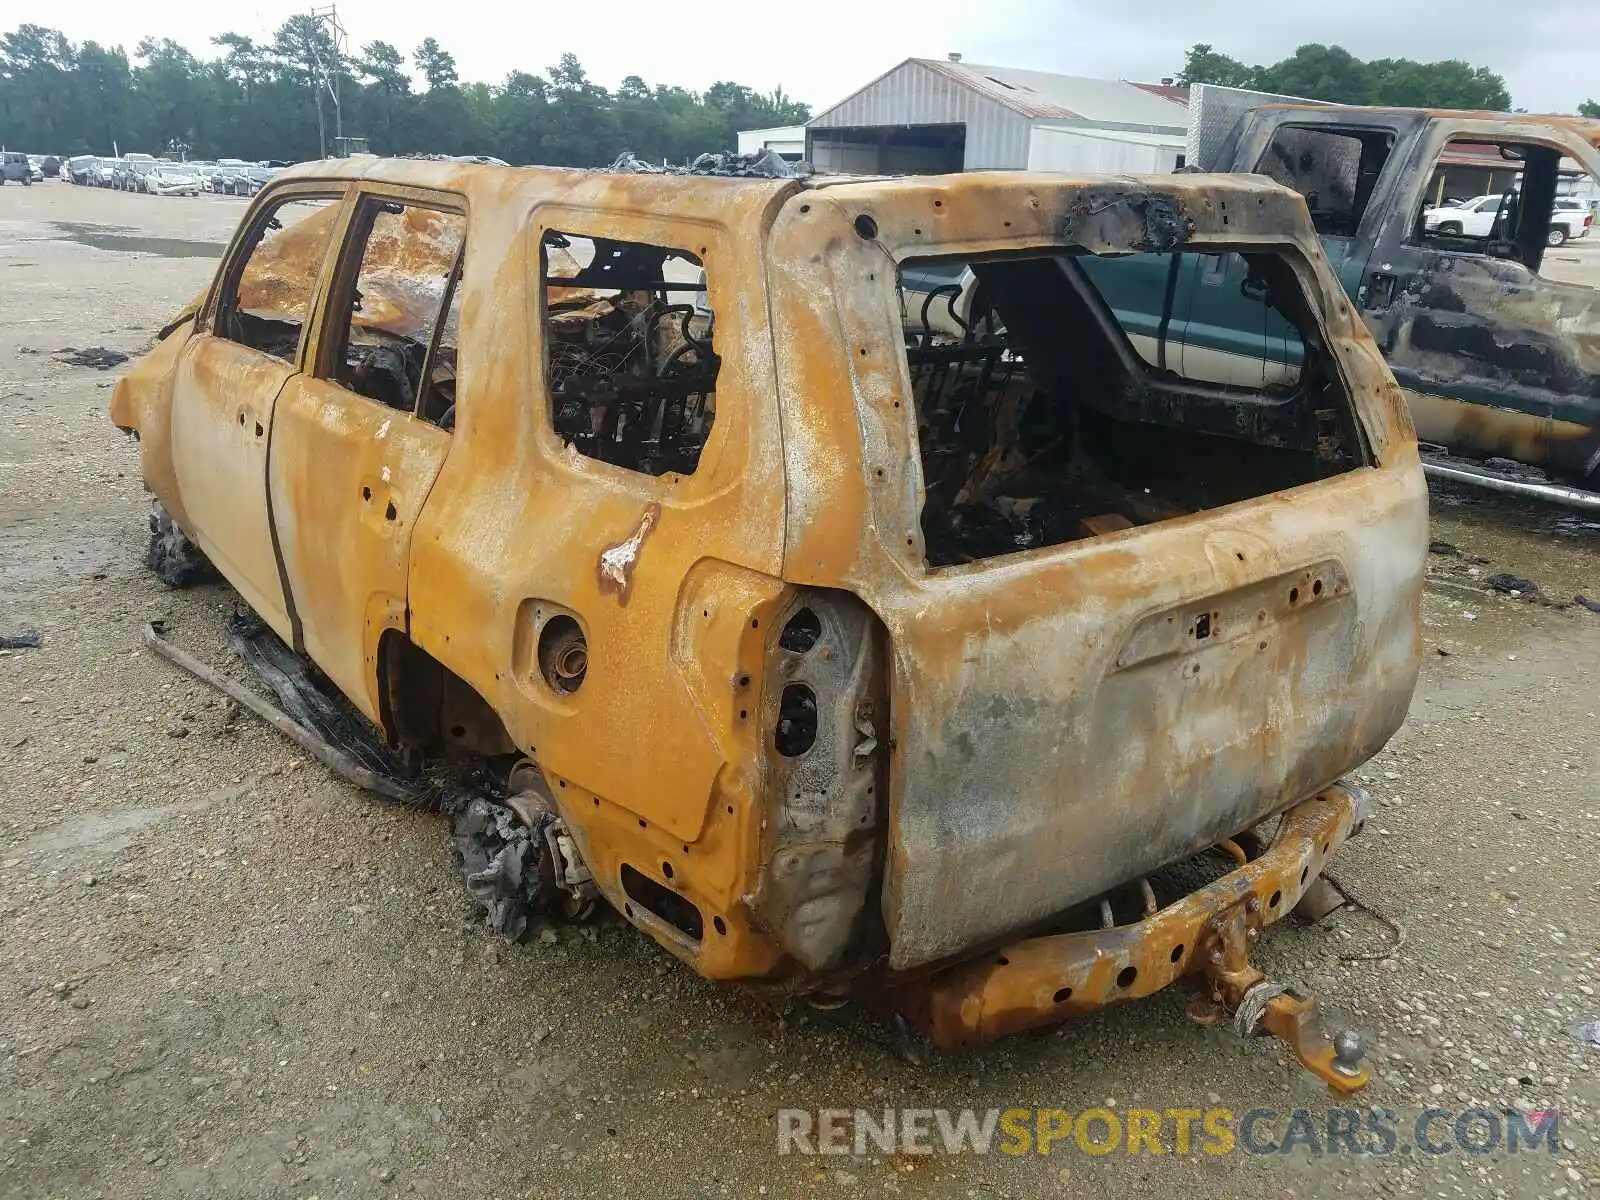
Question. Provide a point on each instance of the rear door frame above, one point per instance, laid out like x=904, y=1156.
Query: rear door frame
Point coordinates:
x=367, y=595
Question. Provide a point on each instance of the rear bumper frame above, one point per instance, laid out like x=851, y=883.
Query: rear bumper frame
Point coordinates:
x=1042, y=980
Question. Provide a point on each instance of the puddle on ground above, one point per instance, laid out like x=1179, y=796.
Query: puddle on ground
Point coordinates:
x=1558, y=548
x=131, y=241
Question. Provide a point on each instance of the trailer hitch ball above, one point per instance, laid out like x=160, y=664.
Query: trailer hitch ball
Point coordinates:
x=1348, y=1051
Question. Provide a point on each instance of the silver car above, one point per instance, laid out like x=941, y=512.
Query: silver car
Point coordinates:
x=171, y=179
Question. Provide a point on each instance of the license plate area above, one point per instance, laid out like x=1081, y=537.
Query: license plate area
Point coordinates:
x=1247, y=612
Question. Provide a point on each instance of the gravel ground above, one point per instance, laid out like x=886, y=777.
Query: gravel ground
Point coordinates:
x=226, y=974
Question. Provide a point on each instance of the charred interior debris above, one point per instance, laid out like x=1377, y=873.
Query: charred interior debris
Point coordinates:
x=505, y=860
x=767, y=164
x=1041, y=423
x=632, y=369
x=176, y=560
x=399, y=343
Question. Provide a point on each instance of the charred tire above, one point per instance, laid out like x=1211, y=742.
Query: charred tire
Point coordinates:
x=177, y=561
x=1451, y=228
x=1556, y=237
x=503, y=859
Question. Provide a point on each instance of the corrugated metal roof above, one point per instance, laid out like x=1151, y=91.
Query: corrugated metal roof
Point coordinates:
x=1040, y=94
x=1176, y=92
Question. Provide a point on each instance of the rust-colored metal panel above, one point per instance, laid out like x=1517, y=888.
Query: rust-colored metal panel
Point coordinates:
x=835, y=763
x=223, y=391
x=1038, y=770
x=348, y=479
x=348, y=474
x=1031, y=770
x=670, y=576
x=1039, y=980
x=223, y=397
x=141, y=402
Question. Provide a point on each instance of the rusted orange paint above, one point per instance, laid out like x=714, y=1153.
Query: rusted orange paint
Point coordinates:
x=1019, y=768
x=1497, y=431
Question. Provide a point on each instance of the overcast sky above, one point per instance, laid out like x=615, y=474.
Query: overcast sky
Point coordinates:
x=820, y=51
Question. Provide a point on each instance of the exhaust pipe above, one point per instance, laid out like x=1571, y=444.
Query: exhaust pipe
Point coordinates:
x=1552, y=493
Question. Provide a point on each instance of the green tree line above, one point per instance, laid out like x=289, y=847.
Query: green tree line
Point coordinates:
x=276, y=99
x=1332, y=73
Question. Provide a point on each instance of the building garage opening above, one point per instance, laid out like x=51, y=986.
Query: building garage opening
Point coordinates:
x=889, y=149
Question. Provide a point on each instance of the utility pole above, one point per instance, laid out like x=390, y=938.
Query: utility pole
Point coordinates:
x=328, y=72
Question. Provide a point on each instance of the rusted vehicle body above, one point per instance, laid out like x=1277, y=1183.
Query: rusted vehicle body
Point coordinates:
x=839, y=656
x=1498, y=353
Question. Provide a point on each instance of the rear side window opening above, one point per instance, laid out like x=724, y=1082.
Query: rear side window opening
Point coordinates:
x=630, y=358
x=1062, y=396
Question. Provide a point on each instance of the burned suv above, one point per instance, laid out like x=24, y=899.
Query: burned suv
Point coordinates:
x=845, y=638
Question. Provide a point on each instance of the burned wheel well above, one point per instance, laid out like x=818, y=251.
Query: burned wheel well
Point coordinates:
x=429, y=709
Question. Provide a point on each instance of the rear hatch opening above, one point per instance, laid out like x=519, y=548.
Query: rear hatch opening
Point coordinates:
x=1062, y=395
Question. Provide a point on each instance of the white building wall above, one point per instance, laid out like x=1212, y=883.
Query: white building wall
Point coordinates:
x=785, y=139
x=1074, y=153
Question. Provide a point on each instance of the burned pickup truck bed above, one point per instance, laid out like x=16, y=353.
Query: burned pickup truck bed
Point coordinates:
x=841, y=646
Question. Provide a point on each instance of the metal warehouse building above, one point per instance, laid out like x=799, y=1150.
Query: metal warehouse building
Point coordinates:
x=929, y=116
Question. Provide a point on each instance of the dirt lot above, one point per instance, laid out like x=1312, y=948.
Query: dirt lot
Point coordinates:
x=226, y=974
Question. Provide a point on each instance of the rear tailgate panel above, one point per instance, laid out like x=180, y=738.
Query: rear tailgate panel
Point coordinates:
x=1052, y=735
x=1070, y=721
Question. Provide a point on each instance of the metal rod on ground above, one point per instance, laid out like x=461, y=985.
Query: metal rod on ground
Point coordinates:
x=1553, y=492
x=337, y=762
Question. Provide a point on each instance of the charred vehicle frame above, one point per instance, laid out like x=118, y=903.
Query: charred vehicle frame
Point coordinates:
x=843, y=650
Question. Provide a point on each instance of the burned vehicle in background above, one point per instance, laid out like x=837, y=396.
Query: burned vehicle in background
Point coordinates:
x=844, y=649
x=1498, y=353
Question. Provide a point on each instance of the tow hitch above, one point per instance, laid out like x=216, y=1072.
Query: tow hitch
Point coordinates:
x=1240, y=993
x=1202, y=939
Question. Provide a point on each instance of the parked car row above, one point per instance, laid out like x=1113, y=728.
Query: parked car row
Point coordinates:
x=159, y=177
